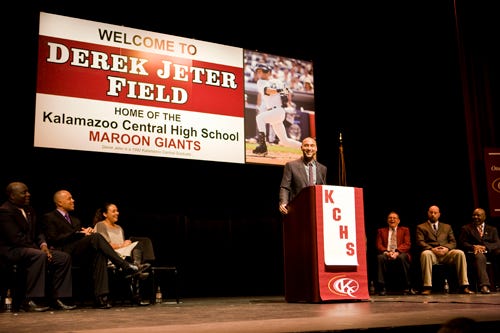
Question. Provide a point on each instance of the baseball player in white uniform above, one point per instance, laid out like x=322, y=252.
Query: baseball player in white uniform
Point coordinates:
x=274, y=97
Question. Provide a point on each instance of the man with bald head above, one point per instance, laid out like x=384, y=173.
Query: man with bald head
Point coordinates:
x=22, y=243
x=481, y=243
x=65, y=232
x=438, y=245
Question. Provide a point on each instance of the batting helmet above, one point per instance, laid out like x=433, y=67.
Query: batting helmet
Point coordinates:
x=265, y=68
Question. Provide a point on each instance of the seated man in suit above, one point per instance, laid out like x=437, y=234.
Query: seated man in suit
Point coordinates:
x=393, y=249
x=22, y=243
x=438, y=245
x=481, y=243
x=65, y=232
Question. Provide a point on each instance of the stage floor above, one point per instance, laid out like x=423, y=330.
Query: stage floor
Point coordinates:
x=268, y=314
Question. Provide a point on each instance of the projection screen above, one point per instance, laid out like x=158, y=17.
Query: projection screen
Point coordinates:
x=112, y=89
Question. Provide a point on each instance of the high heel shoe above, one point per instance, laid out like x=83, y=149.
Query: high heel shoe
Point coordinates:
x=130, y=270
x=134, y=269
x=142, y=274
x=143, y=267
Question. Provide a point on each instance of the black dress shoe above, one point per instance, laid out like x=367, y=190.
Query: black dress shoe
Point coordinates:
x=102, y=302
x=383, y=292
x=59, y=305
x=31, y=306
x=466, y=290
x=485, y=290
x=144, y=303
x=410, y=291
x=138, y=301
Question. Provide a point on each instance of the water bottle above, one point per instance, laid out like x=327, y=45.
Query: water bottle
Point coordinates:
x=8, y=302
x=372, y=288
x=446, y=286
x=159, y=296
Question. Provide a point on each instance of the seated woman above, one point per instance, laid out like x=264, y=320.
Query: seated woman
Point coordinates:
x=136, y=249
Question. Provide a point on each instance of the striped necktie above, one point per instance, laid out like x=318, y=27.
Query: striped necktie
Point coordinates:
x=393, y=243
x=480, y=229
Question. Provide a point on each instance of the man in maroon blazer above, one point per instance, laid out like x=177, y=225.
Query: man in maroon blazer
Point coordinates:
x=393, y=247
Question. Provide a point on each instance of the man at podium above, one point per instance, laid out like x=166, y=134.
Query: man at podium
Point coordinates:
x=302, y=172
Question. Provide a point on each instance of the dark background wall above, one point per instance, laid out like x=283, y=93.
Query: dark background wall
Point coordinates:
x=391, y=76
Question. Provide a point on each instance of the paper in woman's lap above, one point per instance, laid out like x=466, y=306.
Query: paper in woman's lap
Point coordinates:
x=126, y=250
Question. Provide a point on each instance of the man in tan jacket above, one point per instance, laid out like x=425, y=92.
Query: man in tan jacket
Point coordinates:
x=438, y=245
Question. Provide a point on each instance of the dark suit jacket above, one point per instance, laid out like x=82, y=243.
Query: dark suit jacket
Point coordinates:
x=403, y=237
x=426, y=239
x=15, y=231
x=295, y=179
x=16, y=236
x=60, y=234
x=469, y=236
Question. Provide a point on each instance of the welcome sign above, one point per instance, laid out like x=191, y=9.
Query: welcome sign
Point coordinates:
x=113, y=89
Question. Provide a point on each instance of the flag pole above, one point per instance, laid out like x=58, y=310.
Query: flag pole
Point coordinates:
x=342, y=173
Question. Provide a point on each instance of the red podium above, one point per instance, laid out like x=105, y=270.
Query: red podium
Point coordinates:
x=325, y=245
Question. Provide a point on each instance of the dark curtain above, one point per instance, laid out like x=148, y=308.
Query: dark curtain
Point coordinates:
x=477, y=31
